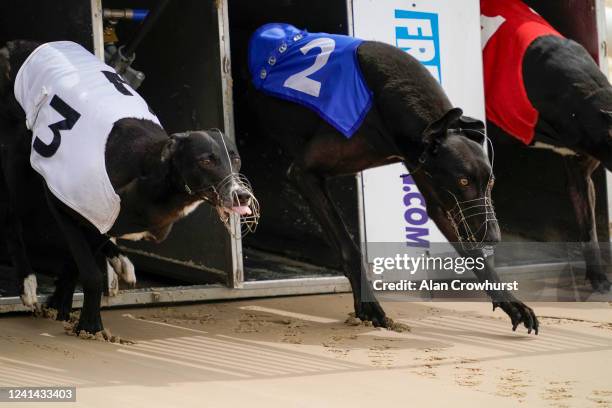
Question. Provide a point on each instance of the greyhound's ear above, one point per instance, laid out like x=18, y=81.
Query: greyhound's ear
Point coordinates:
x=607, y=114
x=472, y=128
x=169, y=149
x=440, y=126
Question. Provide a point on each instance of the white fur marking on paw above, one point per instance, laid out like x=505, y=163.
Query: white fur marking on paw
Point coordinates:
x=128, y=272
x=113, y=280
x=124, y=268
x=28, y=297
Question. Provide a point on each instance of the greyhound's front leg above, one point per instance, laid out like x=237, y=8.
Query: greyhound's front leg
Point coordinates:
x=18, y=254
x=582, y=194
x=13, y=233
x=313, y=189
x=514, y=308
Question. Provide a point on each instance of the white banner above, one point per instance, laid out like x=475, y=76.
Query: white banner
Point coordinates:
x=445, y=36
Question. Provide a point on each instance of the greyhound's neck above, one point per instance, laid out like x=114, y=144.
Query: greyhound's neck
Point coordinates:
x=407, y=96
x=164, y=183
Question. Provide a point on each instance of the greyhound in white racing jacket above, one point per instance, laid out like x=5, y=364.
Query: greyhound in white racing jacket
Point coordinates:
x=80, y=146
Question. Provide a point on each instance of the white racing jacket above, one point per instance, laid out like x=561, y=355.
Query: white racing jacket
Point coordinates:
x=72, y=100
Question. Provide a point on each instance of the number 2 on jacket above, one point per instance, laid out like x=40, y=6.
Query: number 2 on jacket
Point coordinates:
x=300, y=81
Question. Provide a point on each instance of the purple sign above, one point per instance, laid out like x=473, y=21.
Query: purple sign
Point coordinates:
x=415, y=214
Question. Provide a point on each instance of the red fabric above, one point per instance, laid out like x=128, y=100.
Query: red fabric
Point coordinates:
x=507, y=104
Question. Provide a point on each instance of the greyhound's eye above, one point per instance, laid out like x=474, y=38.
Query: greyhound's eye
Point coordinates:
x=464, y=181
x=205, y=162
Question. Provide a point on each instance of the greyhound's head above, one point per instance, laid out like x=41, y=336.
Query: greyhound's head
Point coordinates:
x=207, y=165
x=461, y=178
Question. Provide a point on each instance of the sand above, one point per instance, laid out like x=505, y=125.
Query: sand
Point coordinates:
x=308, y=352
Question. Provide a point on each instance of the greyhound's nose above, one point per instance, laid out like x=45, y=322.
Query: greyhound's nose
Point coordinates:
x=493, y=235
x=242, y=196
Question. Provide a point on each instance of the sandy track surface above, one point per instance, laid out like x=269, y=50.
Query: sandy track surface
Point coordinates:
x=299, y=352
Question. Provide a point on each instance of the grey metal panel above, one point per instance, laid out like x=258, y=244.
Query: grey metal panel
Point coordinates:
x=182, y=294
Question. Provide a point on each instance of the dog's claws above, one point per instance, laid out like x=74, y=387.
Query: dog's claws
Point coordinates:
x=372, y=312
x=520, y=313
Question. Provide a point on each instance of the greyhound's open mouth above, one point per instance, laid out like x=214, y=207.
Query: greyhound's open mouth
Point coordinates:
x=241, y=210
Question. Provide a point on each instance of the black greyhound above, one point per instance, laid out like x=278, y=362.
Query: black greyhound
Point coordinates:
x=573, y=99
x=159, y=179
x=413, y=122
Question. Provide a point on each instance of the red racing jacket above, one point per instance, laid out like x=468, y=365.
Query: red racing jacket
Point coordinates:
x=508, y=28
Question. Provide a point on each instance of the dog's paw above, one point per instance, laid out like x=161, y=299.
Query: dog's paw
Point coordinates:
x=372, y=312
x=113, y=279
x=599, y=283
x=519, y=313
x=124, y=268
x=28, y=297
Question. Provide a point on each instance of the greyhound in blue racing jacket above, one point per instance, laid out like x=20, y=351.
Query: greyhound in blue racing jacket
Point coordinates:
x=339, y=105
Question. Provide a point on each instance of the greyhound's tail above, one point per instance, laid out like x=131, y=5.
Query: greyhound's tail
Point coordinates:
x=5, y=68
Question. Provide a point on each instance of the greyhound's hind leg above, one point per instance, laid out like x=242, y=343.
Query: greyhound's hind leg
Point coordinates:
x=582, y=195
x=61, y=300
x=313, y=189
x=88, y=264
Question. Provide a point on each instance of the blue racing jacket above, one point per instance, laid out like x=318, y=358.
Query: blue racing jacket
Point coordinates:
x=319, y=71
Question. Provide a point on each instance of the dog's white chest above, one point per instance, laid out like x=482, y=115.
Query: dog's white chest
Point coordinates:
x=138, y=236
x=190, y=208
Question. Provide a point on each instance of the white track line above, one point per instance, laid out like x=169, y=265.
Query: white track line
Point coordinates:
x=129, y=316
x=300, y=316
x=198, y=349
x=183, y=363
x=10, y=360
x=216, y=360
